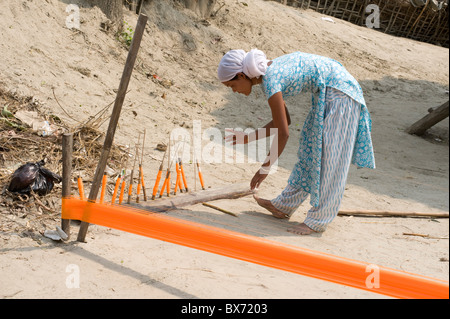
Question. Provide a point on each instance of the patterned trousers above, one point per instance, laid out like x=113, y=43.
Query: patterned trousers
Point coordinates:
x=339, y=133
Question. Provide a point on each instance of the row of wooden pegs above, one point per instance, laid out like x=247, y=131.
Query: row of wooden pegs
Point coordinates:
x=121, y=183
x=166, y=186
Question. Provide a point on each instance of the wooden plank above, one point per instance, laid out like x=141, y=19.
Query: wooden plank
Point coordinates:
x=175, y=202
x=128, y=69
x=429, y=120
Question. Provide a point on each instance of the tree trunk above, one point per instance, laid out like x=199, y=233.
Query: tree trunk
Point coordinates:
x=113, y=9
x=203, y=7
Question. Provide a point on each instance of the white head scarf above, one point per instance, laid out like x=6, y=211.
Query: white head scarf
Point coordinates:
x=253, y=64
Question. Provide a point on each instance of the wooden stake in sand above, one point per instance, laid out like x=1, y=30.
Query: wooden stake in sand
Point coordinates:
x=130, y=187
x=138, y=189
x=122, y=189
x=67, y=146
x=80, y=187
x=166, y=184
x=434, y=117
x=116, y=188
x=141, y=170
x=183, y=177
x=128, y=70
x=158, y=177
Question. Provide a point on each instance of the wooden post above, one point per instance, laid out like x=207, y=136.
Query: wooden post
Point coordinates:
x=128, y=69
x=67, y=146
x=139, y=6
x=429, y=120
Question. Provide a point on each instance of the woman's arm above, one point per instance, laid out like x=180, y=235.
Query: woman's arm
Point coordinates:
x=277, y=100
x=280, y=121
x=259, y=133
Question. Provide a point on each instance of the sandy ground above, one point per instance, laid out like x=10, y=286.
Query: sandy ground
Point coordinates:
x=401, y=79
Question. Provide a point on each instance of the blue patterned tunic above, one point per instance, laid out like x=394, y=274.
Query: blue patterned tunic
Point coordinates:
x=299, y=72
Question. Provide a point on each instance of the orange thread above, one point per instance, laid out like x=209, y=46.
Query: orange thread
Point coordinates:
x=183, y=176
x=80, y=188
x=102, y=194
x=155, y=188
x=122, y=191
x=116, y=188
x=200, y=175
x=286, y=257
x=142, y=182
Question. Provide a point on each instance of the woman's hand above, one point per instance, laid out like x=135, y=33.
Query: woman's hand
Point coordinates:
x=259, y=177
x=236, y=137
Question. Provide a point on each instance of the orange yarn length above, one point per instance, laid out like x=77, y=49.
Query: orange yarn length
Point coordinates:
x=223, y=242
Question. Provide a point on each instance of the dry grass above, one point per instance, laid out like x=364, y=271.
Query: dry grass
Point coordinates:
x=19, y=144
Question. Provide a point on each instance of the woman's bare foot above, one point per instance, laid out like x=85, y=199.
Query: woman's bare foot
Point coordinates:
x=301, y=229
x=268, y=205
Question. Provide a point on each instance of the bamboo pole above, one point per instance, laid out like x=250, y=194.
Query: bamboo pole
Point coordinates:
x=370, y=213
x=219, y=209
x=125, y=80
x=413, y=28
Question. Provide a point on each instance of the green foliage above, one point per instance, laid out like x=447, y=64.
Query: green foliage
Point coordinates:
x=126, y=34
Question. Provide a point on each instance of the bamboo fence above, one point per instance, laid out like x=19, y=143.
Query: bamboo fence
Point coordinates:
x=425, y=23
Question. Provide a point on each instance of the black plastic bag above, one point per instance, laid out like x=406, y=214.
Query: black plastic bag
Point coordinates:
x=33, y=177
